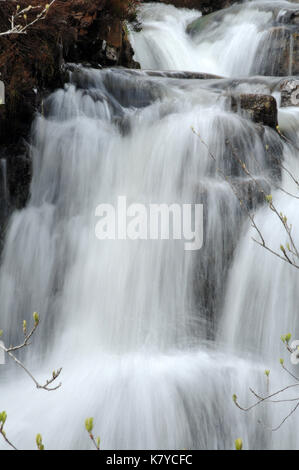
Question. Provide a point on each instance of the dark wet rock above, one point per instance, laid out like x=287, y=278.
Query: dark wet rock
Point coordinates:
x=278, y=54
x=182, y=75
x=289, y=17
x=19, y=172
x=209, y=22
x=118, y=83
x=273, y=146
x=252, y=192
x=208, y=285
x=289, y=92
x=127, y=54
x=198, y=25
x=261, y=109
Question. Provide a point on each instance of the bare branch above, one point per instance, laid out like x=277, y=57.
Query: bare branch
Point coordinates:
x=3, y=434
x=283, y=421
x=263, y=399
x=283, y=219
x=22, y=28
x=10, y=351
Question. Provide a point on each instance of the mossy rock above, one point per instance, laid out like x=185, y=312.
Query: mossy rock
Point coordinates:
x=197, y=26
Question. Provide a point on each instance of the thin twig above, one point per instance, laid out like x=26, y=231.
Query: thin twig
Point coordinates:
x=3, y=434
x=22, y=29
x=10, y=352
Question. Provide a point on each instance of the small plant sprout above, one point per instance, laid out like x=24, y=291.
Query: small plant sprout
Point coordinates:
x=36, y=318
x=239, y=444
x=39, y=442
x=89, y=428
x=288, y=338
x=3, y=418
x=282, y=248
x=89, y=425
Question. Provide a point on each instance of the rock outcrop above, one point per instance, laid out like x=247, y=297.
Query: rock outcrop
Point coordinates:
x=289, y=92
x=31, y=66
x=280, y=51
x=261, y=109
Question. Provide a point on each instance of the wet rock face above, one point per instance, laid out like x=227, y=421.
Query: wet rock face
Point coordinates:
x=280, y=52
x=205, y=6
x=106, y=44
x=261, y=109
x=182, y=75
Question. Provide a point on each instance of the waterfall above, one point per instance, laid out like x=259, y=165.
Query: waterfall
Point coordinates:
x=165, y=43
x=153, y=340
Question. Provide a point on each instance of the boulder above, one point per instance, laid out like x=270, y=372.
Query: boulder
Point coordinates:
x=211, y=20
x=261, y=109
x=289, y=92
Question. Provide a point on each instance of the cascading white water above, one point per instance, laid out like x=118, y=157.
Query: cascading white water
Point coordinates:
x=233, y=42
x=133, y=323
x=165, y=44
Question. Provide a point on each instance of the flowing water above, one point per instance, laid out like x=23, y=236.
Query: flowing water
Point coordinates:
x=153, y=340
